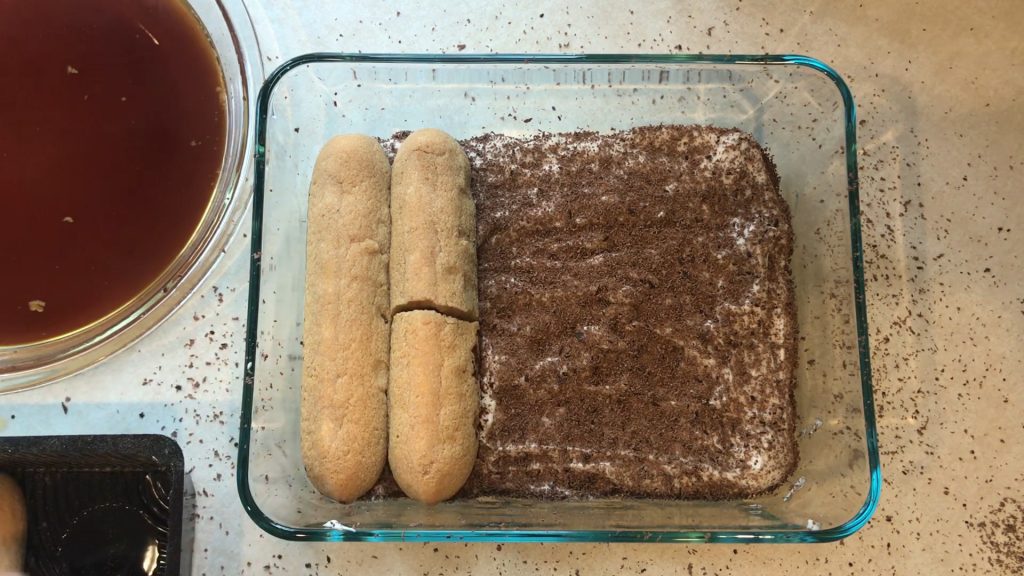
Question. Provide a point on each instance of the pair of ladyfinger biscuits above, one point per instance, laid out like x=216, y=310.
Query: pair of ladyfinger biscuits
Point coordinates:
x=390, y=244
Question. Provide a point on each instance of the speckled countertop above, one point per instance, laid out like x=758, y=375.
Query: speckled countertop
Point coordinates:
x=938, y=91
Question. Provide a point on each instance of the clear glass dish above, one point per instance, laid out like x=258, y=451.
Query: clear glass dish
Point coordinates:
x=231, y=33
x=798, y=107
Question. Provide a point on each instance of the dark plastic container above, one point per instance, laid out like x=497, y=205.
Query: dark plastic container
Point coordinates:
x=103, y=505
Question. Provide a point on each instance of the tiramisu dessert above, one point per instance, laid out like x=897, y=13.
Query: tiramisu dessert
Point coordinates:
x=633, y=331
x=637, y=325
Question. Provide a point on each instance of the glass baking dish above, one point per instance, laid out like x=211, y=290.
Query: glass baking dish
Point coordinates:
x=798, y=107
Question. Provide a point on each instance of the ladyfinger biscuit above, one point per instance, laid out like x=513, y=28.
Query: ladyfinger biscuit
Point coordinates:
x=345, y=334
x=433, y=257
x=13, y=526
x=433, y=401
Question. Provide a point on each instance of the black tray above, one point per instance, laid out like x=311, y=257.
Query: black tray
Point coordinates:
x=103, y=505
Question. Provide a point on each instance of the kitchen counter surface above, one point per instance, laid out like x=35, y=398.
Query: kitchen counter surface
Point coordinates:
x=938, y=91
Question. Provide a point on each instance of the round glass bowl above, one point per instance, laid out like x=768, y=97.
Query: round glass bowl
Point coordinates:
x=230, y=31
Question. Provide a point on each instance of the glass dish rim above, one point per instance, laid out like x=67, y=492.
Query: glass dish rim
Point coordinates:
x=347, y=534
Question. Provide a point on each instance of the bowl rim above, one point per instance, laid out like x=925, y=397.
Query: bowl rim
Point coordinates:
x=348, y=534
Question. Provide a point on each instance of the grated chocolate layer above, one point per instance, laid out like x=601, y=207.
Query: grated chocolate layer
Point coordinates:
x=636, y=315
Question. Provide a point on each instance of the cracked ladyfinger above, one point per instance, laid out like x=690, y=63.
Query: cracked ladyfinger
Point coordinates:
x=433, y=397
x=433, y=234
x=433, y=403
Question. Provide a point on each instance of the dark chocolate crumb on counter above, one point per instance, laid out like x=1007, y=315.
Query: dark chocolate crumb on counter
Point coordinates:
x=1003, y=535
